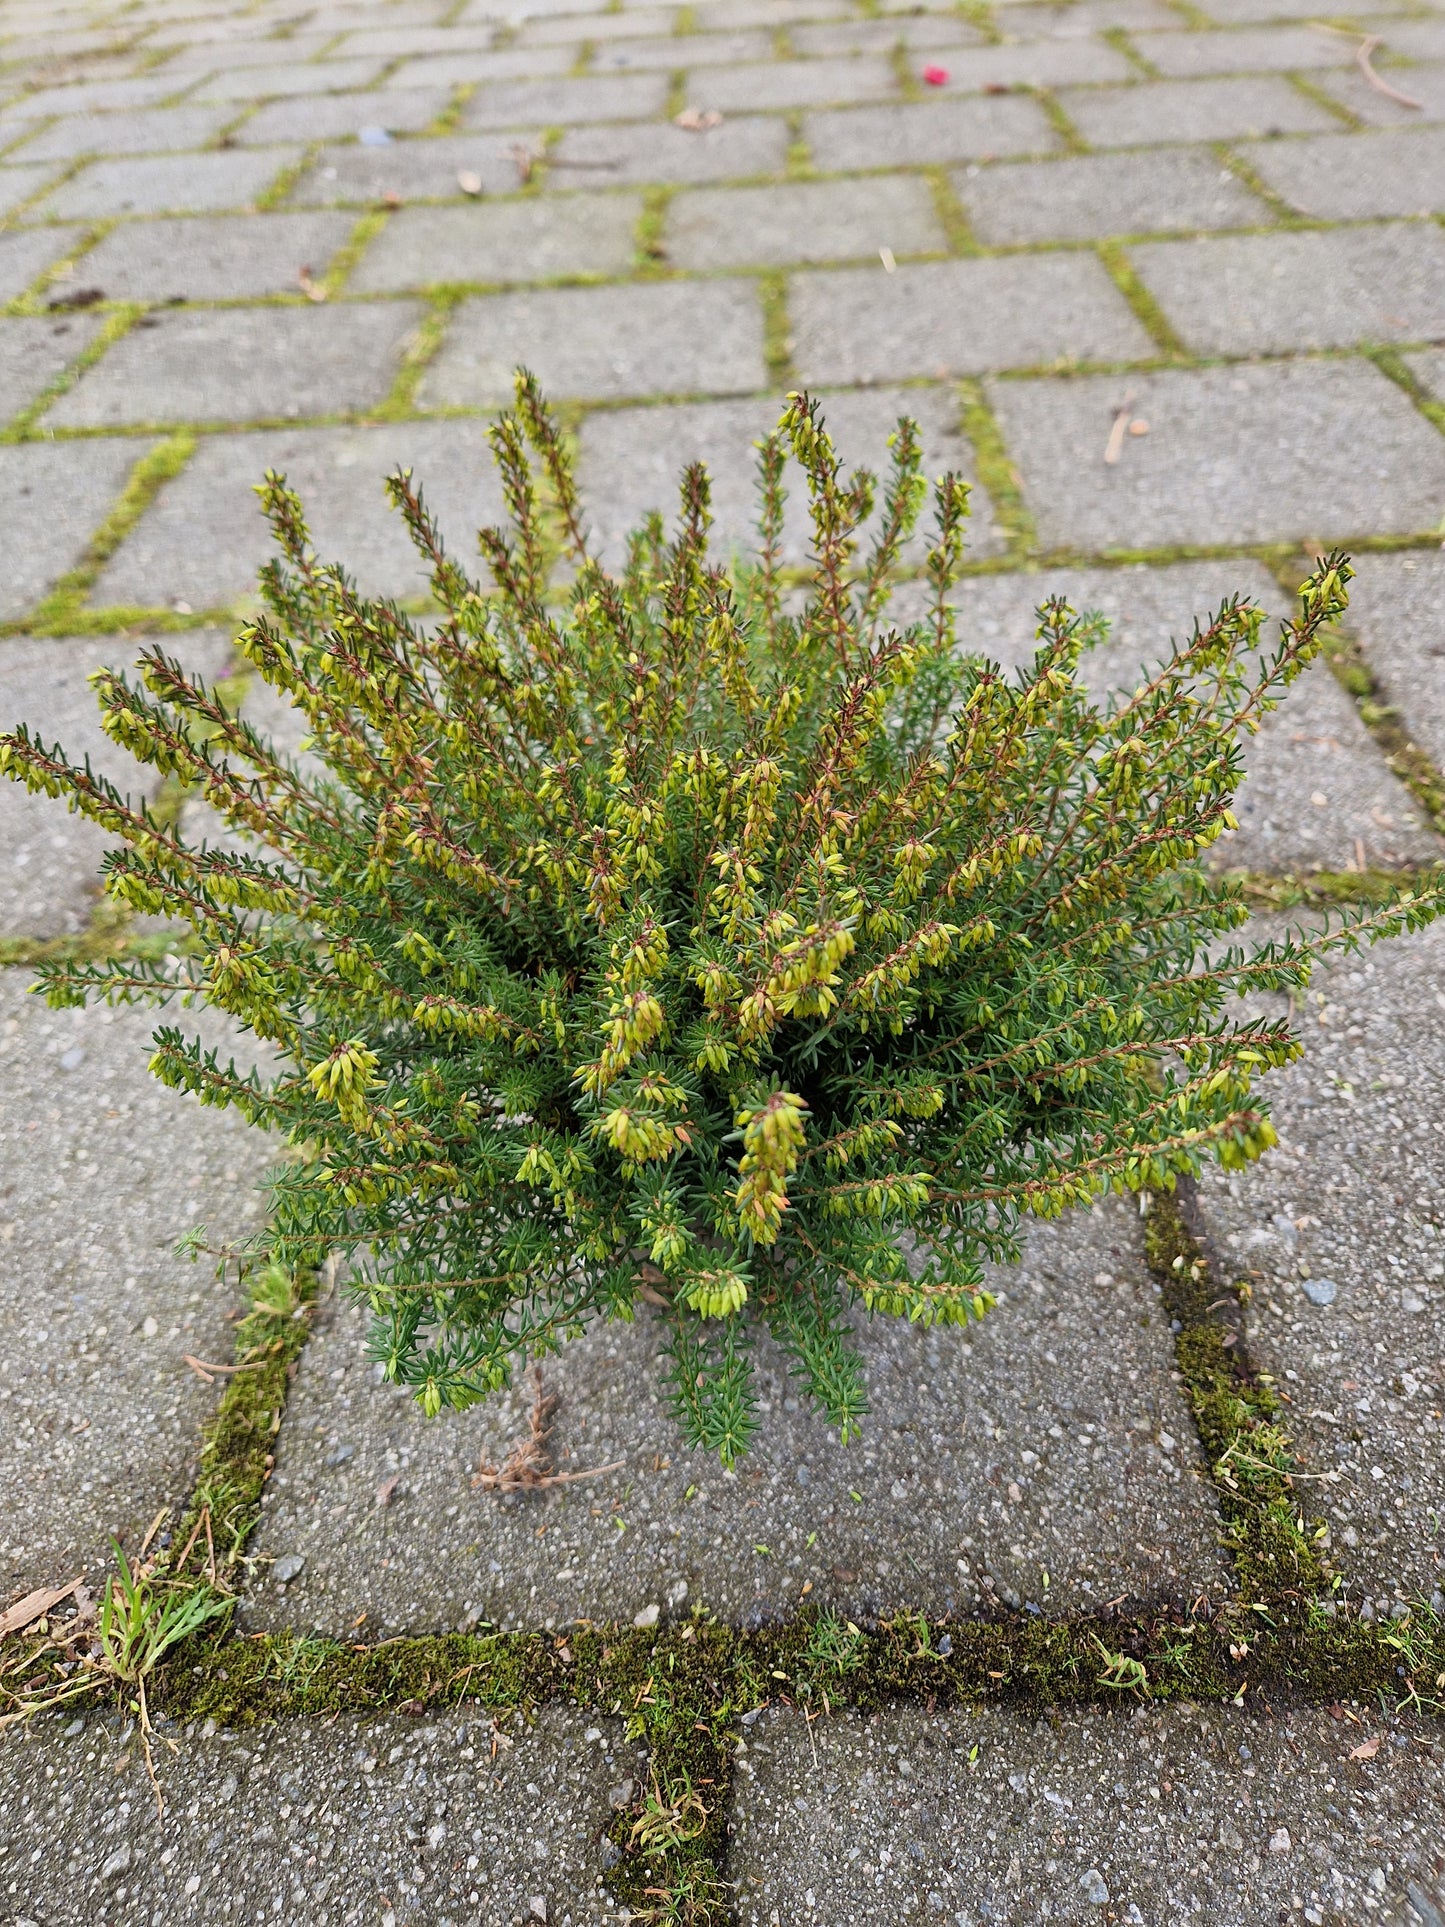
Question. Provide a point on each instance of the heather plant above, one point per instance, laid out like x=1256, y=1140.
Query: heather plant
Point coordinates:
x=698, y=933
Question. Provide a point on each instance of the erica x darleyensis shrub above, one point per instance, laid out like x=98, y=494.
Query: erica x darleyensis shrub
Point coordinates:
x=678, y=932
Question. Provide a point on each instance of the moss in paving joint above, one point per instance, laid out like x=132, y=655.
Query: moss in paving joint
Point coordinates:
x=1118, y=39
x=1326, y=889
x=997, y=474
x=118, y=322
x=1191, y=15
x=777, y=338
x=344, y=263
x=419, y=353
x=677, y=99
x=980, y=16
x=279, y=191
x=1307, y=85
x=684, y=22
x=1147, y=311
x=1073, y=141
x=1244, y=170
x=449, y=120
x=1275, y=1550
x=952, y=217
x=149, y=476
x=651, y=228
x=910, y=87
x=1392, y=364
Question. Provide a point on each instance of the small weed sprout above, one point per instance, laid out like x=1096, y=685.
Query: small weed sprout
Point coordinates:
x=666, y=934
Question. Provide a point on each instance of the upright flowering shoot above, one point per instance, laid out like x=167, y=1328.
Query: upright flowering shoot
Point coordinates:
x=698, y=935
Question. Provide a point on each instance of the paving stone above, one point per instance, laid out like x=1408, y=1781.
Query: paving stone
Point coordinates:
x=1424, y=84
x=1268, y=293
x=328, y=1817
x=158, y=131
x=546, y=103
x=103, y=1170
x=778, y=226
x=882, y=36
x=658, y=151
x=634, y=23
x=930, y=131
x=1419, y=38
x=948, y=1511
x=1354, y=1194
x=959, y=318
x=1318, y=794
x=465, y=68
x=243, y=364
x=1194, y=110
x=28, y=252
x=665, y=338
x=790, y=83
x=1093, y=196
x=200, y=258
x=54, y=495
x=165, y=183
x=22, y=183
x=1318, y=451
x=1077, y=19
x=1130, y=1814
x=1244, y=50
x=632, y=458
x=400, y=110
x=50, y=859
x=1341, y=177
x=724, y=15
x=401, y=42
x=254, y=58
x=302, y=77
x=33, y=351
x=680, y=51
x=1397, y=613
x=416, y=170
x=87, y=97
x=339, y=473
x=1040, y=63
x=518, y=240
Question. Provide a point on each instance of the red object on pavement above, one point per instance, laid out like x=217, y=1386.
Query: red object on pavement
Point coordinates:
x=936, y=76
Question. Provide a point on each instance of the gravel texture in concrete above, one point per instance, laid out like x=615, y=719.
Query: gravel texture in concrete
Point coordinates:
x=1044, y=1457
x=1139, y=1815
x=1397, y=614
x=454, y=1820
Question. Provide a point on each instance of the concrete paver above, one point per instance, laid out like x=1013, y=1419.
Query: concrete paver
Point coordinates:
x=33, y=351
x=338, y=473
x=959, y=318
x=1288, y=49
x=26, y=253
x=1397, y=613
x=1268, y=293
x=170, y=183
x=1094, y=196
x=1387, y=173
x=1349, y=1209
x=603, y=343
x=1246, y=107
x=927, y=132
x=103, y=1170
x=415, y=170
x=137, y=132
x=213, y=257
x=340, y=1822
x=1134, y=1814
x=547, y=103
x=585, y=234
x=648, y=151
x=1423, y=84
x=981, y=1453
x=780, y=226
x=236, y=364
x=398, y=110
x=1250, y=453
x=55, y=496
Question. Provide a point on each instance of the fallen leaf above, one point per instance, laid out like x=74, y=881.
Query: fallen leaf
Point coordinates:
x=33, y=1606
x=386, y=1489
x=885, y=255
x=697, y=120
x=468, y=182
x=1137, y=427
x=391, y=198
x=997, y=87
x=312, y=290
x=1366, y=1750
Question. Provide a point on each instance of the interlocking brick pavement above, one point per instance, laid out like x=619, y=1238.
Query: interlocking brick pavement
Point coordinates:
x=1203, y=211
